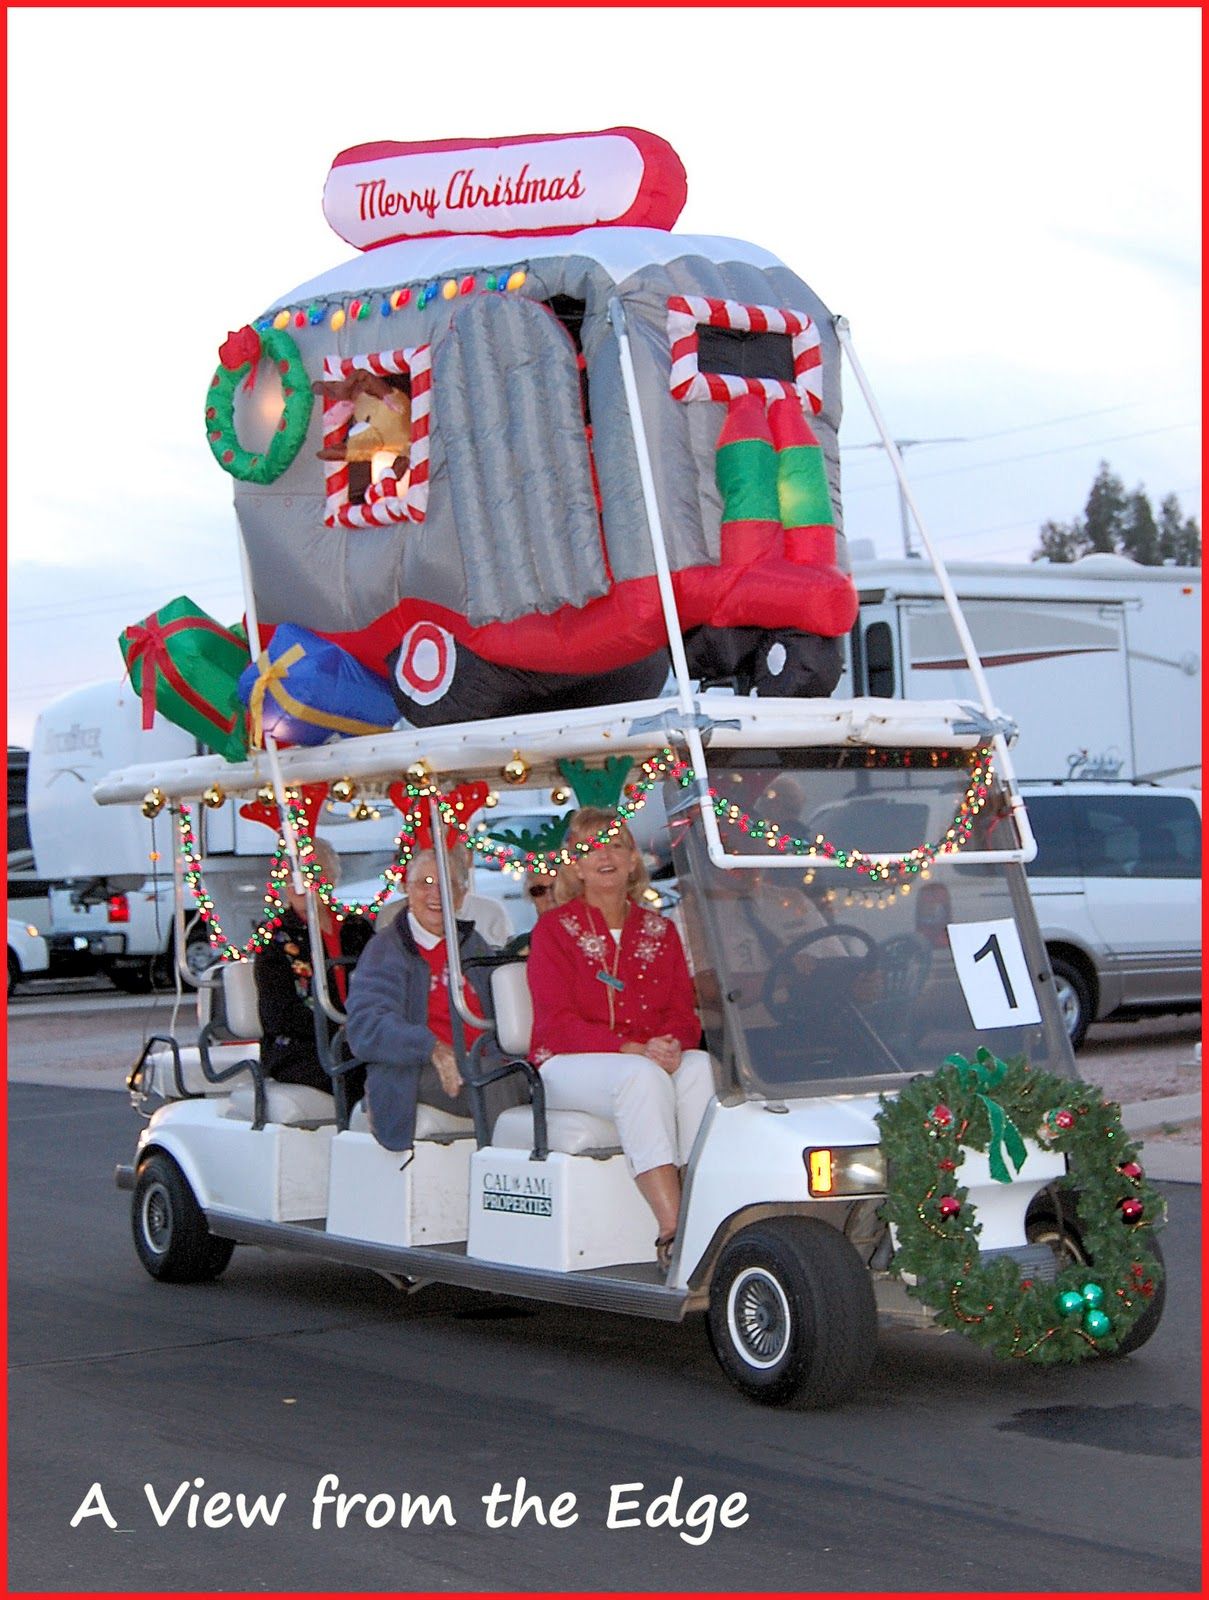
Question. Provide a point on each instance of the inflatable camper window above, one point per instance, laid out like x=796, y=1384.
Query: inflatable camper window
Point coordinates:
x=375, y=437
x=722, y=349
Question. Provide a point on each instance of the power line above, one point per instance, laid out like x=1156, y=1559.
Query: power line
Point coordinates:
x=1004, y=461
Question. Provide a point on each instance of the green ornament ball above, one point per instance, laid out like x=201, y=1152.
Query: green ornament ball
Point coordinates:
x=1097, y=1323
x=1069, y=1303
x=1093, y=1296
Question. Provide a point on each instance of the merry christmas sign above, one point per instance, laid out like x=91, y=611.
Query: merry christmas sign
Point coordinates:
x=535, y=184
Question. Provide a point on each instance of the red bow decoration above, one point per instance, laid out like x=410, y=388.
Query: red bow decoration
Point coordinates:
x=465, y=798
x=239, y=347
x=313, y=795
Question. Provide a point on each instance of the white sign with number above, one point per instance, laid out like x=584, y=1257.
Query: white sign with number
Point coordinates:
x=993, y=973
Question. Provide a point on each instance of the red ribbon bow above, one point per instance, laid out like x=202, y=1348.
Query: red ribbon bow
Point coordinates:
x=239, y=347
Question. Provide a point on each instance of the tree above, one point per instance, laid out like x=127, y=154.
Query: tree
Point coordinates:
x=1179, y=540
x=1105, y=513
x=1062, y=541
x=1140, y=535
x=1117, y=523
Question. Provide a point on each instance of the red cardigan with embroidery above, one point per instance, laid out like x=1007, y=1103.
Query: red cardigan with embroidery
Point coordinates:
x=570, y=945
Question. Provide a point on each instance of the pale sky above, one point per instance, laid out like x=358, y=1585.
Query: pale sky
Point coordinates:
x=1004, y=203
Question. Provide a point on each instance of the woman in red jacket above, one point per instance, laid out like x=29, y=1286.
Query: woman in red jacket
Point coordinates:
x=615, y=1029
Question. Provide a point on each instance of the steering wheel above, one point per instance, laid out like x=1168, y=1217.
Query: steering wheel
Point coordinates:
x=779, y=997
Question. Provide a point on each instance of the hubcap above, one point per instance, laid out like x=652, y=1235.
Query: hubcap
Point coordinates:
x=157, y=1218
x=1068, y=1003
x=758, y=1316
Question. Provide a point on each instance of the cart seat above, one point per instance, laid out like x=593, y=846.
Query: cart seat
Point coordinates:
x=575, y=1133
x=296, y=1105
x=431, y=1122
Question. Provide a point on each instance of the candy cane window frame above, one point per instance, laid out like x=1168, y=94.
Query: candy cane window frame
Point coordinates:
x=411, y=505
x=687, y=314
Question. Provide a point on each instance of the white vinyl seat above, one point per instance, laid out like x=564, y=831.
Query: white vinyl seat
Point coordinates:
x=573, y=1133
x=294, y=1105
x=431, y=1122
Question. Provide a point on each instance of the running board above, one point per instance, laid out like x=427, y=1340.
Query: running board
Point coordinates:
x=589, y=1290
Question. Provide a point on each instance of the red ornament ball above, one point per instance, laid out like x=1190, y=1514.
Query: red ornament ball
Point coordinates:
x=1131, y=1210
x=947, y=1166
x=1130, y=1170
x=950, y=1205
x=1065, y=1119
x=941, y=1116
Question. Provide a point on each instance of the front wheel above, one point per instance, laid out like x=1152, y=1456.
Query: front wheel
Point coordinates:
x=1061, y=1232
x=171, y=1237
x=791, y=1314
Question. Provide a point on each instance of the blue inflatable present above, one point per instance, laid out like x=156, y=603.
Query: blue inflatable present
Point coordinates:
x=303, y=690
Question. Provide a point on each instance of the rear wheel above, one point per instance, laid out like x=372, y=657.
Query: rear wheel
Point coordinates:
x=791, y=1314
x=14, y=971
x=171, y=1237
x=1073, y=993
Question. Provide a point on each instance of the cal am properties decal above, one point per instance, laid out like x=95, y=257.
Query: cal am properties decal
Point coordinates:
x=521, y=1194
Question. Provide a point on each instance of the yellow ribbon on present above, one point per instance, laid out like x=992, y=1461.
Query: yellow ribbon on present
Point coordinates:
x=272, y=675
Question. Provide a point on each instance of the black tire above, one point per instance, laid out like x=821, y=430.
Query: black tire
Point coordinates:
x=791, y=1314
x=1065, y=1240
x=171, y=1238
x=132, y=980
x=1073, y=993
x=14, y=972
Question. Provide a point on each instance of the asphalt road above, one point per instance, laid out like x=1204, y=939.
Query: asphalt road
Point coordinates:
x=951, y=1472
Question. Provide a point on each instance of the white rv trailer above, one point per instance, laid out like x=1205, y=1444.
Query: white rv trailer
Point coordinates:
x=1099, y=662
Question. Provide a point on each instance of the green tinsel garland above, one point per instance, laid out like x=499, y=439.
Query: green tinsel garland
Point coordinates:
x=987, y=1105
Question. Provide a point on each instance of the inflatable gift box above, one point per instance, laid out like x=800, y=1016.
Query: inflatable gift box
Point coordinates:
x=186, y=666
x=304, y=689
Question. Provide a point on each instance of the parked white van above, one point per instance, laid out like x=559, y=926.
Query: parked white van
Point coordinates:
x=1117, y=889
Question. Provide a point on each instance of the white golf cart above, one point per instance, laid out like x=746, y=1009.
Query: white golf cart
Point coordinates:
x=819, y=989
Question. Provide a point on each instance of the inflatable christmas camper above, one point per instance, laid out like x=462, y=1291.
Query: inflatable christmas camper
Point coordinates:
x=460, y=456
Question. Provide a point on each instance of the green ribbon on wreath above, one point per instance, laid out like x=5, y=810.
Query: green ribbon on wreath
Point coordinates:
x=988, y=1072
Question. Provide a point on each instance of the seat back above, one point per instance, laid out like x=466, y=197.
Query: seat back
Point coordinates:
x=513, y=1007
x=240, y=1000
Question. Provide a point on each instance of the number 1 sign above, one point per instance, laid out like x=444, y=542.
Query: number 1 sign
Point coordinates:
x=994, y=975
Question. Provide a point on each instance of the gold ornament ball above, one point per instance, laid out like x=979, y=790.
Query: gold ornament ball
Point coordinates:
x=153, y=802
x=560, y=796
x=419, y=772
x=214, y=796
x=267, y=795
x=492, y=800
x=343, y=789
x=516, y=770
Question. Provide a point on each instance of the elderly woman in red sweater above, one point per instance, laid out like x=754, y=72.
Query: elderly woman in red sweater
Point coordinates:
x=615, y=1028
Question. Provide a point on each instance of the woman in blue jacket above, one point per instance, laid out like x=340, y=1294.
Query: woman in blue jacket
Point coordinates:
x=399, y=1020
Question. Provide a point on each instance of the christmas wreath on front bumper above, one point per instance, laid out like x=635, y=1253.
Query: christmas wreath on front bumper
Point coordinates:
x=992, y=1105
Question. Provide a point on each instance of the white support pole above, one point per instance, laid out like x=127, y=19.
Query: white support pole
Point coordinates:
x=270, y=744
x=1003, y=759
x=667, y=595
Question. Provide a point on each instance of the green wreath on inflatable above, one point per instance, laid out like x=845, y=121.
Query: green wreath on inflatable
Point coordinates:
x=992, y=1105
x=239, y=357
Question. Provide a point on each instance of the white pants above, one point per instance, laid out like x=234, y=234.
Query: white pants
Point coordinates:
x=657, y=1113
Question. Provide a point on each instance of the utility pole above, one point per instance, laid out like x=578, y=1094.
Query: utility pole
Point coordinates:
x=901, y=445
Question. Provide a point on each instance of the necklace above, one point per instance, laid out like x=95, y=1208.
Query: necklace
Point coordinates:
x=607, y=973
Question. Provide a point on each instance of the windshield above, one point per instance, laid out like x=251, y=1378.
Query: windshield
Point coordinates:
x=816, y=980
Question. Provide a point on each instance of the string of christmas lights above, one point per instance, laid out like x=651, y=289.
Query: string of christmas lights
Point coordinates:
x=360, y=306
x=666, y=764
